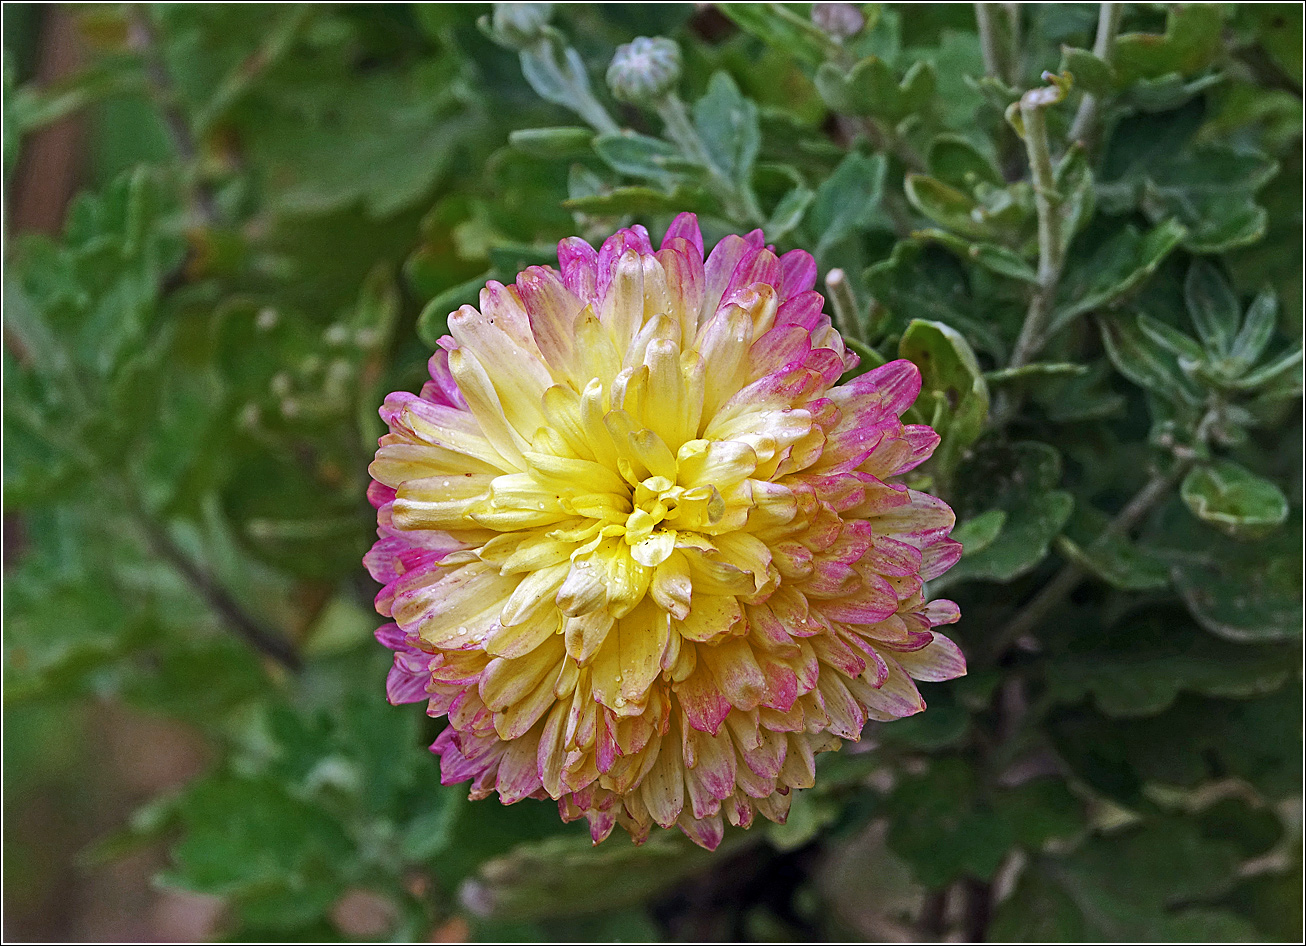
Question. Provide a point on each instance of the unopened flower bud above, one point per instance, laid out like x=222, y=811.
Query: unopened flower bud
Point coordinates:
x=644, y=70
x=520, y=24
x=840, y=20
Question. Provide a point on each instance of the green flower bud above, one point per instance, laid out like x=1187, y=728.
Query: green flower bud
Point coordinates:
x=520, y=24
x=645, y=70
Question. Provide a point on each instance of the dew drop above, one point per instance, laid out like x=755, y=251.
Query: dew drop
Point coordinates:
x=619, y=701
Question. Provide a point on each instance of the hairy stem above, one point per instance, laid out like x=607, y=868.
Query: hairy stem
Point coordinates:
x=1051, y=254
x=737, y=196
x=1084, y=128
x=1050, y=258
x=994, y=66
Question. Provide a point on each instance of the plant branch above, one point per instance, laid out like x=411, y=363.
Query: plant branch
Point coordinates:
x=999, y=43
x=1071, y=574
x=1084, y=127
x=143, y=39
x=245, y=625
x=1048, y=205
x=244, y=75
x=737, y=196
x=1051, y=252
x=994, y=67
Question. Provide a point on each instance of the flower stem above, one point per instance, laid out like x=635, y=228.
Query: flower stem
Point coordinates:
x=737, y=197
x=1084, y=128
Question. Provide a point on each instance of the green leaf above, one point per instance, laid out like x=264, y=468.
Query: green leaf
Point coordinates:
x=552, y=143
x=915, y=283
x=950, y=378
x=563, y=81
x=249, y=840
x=1139, y=667
x=946, y=206
x=1209, y=190
x=1234, y=500
x=956, y=161
x=784, y=29
x=1172, y=340
x=385, y=138
x=1147, y=364
x=1278, y=28
x=945, y=828
x=1137, y=883
x=788, y=213
x=939, y=826
x=1114, y=559
x=569, y=875
x=1073, y=178
x=1258, y=327
x=1213, y=307
x=809, y=815
x=433, y=323
x=1021, y=480
x=637, y=155
x=1245, y=597
x=1166, y=93
x=978, y=533
x=1285, y=368
x=728, y=125
x=997, y=259
x=1078, y=398
x=638, y=201
x=1092, y=74
x=1118, y=267
x=1190, y=43
x=1035, y=370
x=871, y=88
x=846, y=200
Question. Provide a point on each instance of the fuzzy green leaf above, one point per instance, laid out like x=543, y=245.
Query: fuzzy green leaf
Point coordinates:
x=1234, y=500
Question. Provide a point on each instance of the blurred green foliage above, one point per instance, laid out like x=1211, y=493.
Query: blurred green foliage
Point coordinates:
x=283, y=202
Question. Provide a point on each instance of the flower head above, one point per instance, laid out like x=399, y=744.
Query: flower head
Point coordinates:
x=640, y=546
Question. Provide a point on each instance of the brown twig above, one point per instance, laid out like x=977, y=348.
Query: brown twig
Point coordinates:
x=254, y=632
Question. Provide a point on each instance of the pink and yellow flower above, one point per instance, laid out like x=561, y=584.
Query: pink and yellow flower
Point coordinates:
x=643, y=550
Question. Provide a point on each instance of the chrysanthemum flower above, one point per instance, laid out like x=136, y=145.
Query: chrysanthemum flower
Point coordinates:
x=642, y=550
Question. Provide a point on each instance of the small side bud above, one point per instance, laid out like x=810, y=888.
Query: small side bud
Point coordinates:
x=645, y=70
x=839, y=20
x=520, y=24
